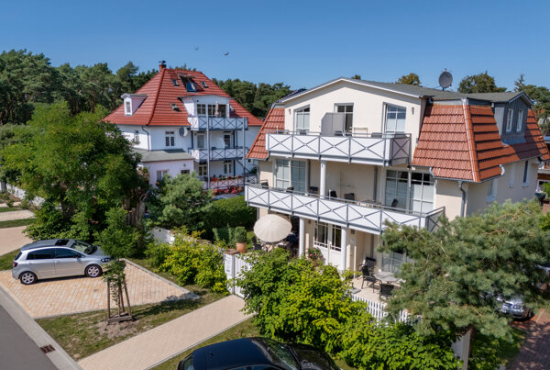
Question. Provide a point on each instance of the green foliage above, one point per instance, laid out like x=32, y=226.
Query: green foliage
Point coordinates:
x=192, y=261
x=461, y=268
x=119, y=239
x=480, y=83
x=157, y=253
x=180, y=201
x=490, y=353
x=77, y=162
x=239, y=235
x=314, y=253
x=541, y=97
x=51, y=225
x=232, y=212
x=410, y=79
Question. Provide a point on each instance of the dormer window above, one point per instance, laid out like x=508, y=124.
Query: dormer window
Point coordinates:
x=519, y=124
x=175, y=82
x=190, y=86
x=204, y=84
x=509, y=119
x=128, y=107
x=175, y=107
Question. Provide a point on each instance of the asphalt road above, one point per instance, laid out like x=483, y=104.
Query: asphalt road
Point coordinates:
x=17, y=350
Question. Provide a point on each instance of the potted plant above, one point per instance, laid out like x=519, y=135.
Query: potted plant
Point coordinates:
x=314, y=254
x=240, y=238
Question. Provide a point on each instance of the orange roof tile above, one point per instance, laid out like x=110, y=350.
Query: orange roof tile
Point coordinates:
x=275, y=120
x=463, y=143
x=161, y=93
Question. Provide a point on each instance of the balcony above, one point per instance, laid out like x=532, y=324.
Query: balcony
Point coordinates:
x=375, y=149
x=201, y=155
x=366, y=216
x=199, y=123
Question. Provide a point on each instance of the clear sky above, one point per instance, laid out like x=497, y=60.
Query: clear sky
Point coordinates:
x=301, y=43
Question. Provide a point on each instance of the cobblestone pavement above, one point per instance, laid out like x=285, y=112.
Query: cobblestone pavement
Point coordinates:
x=168, y=340
x=16, y=215
x=12, y=239
x=79, y=294
x=535, y=353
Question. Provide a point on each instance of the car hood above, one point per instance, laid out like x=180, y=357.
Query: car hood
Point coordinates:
x=311, y=358
x=512, y=300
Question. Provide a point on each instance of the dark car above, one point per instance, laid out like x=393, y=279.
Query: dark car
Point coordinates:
x=257, y=354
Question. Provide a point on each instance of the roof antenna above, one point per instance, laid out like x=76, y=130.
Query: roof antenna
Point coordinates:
x=445, y=79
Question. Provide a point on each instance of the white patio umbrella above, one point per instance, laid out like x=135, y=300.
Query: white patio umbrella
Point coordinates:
x=272, y=228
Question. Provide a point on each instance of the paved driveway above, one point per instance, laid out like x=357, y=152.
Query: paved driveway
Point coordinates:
x=79, y=294
x=12, y=239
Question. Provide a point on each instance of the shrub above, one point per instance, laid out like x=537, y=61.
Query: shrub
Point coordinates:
x=10, y=203
x=231, y=212
x=239, y=235
x=157, y=253
x=25, y=204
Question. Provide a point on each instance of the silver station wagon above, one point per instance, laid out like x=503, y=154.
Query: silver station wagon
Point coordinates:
x=46, y=260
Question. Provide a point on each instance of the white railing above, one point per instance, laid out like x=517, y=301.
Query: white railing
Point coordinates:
x=378, y=309
x=217, y=154
x=235, y=181
x=199, y=123
x=362, y=216
x=382, y=149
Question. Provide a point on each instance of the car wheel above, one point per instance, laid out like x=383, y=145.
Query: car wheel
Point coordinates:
x=28, y=278
x=93, y=271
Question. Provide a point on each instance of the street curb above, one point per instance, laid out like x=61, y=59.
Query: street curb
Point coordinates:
x=59, y=357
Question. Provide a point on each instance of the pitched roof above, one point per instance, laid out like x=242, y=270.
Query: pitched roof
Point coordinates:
x=462, y=142
x=275, y=120
x=161, y=93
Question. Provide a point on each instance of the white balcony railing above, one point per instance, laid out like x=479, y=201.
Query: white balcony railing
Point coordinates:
x=362, y=216
x=377, y=149
x=201, y=155
x=199, y=123
x=238, y=181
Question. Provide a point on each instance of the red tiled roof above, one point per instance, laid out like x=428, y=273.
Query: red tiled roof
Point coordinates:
x=275, y=120
x=161, y=93
x=463, y=143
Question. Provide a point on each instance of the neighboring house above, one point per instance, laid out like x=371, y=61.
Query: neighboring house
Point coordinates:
x=544, y=170
x=346, y=156
x=180, y=121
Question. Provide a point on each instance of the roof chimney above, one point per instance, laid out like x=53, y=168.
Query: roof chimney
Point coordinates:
x=162, y=64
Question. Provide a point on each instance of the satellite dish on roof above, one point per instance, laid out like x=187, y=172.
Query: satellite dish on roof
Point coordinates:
x=183, y=131
x=445, y=79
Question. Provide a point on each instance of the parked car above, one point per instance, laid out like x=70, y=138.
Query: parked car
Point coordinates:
x=257, y=353
x=45, y=259
x=514, y=307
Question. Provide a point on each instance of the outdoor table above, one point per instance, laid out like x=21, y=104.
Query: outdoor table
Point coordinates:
x=388, y=277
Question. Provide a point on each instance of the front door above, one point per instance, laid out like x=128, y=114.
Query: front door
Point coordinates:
x=68, y=262
x=328, y=238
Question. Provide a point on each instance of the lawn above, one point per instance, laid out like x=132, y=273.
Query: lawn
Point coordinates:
x=16, y=223
x=6, y=261
x=9, y=209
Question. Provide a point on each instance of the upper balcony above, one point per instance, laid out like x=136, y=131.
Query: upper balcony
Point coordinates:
x=367, y=215
x=221, y=154
x=375, y=148
x=200, y=123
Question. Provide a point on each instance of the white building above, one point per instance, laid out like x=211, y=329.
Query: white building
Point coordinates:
x=180, y=121
x=344, y=157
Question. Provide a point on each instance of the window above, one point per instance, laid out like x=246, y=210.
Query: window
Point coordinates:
x=492, y=190
x=203, y=169
x=184, y=172
x=200, y=141
x=175, y=82
x=519, y=124
x=347, y=109
x=66, y=253
x=170, y=138
x=174, y=107
x=328, y=235
x=203, y=84
x=44, y=254
x=161, y=174
x=526, y=174
x=290, y=173
x=128, y=108
x=136, y=136
x=228, y=167
x=420, y=193
x=509, y=120
x=395, y=119
x=396, y=189
x=302, y=120
x=227, y=140
x=201, y=109
x=190, y=86
x=217, y=110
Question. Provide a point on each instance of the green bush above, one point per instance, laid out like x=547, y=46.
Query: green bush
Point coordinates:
x=239, y=235
x=157, y=253
x=232, y=212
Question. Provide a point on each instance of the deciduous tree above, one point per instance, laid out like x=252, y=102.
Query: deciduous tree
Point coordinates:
x=480, y=83
x=410, y=79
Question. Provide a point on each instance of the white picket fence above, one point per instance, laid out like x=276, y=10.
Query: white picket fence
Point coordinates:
x=378, y=309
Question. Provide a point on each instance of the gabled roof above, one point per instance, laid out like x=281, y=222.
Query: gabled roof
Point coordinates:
x=462, y=142
x=156, y=110
x=275, y=120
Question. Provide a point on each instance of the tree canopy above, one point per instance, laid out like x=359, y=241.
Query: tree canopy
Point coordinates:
x=541, y=97
x=410, y=79
x=461, y=269
x=480, y=83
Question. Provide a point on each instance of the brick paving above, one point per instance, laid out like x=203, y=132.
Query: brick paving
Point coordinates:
x=535, y=353
x=79, y=294
x=168, y=340
x=16, y=215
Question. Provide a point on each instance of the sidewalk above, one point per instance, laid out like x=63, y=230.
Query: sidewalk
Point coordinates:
x=168, y=340
x=16, y=215
x=12, y=239
x=535, y=353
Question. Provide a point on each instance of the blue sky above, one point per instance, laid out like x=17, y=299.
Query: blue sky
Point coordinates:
x=301, y=43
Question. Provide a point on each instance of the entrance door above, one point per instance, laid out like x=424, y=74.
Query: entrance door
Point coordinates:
x=328, y=238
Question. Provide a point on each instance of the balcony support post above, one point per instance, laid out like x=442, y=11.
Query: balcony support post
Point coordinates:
x=344, y=249
x=302, y=238
x=323, y=180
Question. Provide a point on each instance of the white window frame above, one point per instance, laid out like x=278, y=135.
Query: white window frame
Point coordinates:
x=202, y=170
x=330, y=237
x=519, y=124
x=492, y=190
x=304, y=122
x=161, y=174
x=203, y=137
x=509, y=120
x=346, y=106
x=201, y=110
x=228, y=168
x=284, y=183
x=136, y=136
x=128, y=107
x=225, y=145
x=170, y=139
x=526, y=174
x=398, y=109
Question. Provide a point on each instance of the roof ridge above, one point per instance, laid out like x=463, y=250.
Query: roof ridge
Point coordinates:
x=163, y=71
x=470, y=140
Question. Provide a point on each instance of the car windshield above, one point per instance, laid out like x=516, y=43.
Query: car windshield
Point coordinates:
x=281, y=355
x=84, y=247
